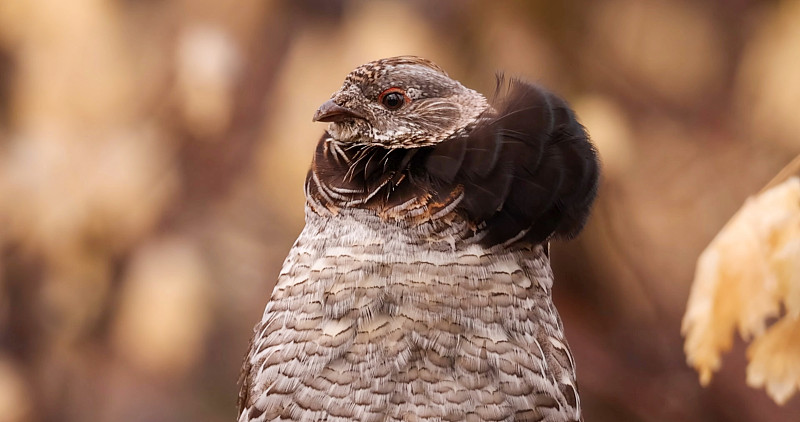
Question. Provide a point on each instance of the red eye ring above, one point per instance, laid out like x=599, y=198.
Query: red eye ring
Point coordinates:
x=393, y=98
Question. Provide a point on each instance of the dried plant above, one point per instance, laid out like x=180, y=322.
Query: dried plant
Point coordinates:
x=747, y=277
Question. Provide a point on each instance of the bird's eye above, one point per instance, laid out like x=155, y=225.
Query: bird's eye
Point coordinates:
x=393, y=98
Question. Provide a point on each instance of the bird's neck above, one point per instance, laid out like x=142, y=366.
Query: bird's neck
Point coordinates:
x=389, y=182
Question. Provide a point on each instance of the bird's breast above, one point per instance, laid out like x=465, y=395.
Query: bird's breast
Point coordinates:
x=374, y=322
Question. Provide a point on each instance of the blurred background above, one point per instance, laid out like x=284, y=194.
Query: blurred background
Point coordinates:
x=152, y=155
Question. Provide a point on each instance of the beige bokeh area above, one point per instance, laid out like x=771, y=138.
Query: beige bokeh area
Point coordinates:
x=153, y=153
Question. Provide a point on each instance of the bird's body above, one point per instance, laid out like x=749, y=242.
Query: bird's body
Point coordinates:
x=420, y=287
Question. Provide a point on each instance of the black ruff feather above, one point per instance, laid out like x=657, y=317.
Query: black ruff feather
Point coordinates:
x=528, y=169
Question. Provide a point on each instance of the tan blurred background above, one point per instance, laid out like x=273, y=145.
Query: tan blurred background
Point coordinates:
x=152, y=154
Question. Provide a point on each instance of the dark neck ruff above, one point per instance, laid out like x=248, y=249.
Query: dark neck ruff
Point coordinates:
x=525, y=173
x=366, y=176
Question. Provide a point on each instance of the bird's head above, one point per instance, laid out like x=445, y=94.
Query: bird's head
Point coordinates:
x=399, y=102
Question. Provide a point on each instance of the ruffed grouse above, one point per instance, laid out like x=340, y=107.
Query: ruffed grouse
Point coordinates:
x=420, y=287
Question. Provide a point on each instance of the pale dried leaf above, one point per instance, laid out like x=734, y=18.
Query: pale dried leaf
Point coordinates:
x=747, y=273
x=775, y=360
x=786, y=265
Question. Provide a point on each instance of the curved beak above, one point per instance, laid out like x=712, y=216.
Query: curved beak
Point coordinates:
x=332, y=112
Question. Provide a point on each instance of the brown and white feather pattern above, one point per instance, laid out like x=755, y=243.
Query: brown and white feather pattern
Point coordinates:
x=406, y=299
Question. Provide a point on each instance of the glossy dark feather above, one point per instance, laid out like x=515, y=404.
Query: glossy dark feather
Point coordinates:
x=529, y=169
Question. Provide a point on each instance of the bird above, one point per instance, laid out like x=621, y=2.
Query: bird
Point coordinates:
x=420, y=288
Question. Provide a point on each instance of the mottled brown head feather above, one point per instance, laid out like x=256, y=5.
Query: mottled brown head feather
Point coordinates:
x=374, y=70
x=434, y=107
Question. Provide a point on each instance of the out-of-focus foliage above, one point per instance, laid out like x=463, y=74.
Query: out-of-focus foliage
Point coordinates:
x=163, y=313
x=767, y=85
x=152, y=157
x=746, y=276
